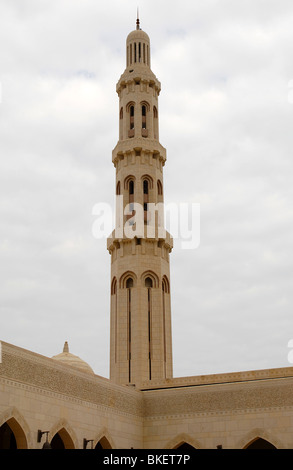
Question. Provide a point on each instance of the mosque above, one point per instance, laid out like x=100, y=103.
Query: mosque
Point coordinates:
x=60, y=403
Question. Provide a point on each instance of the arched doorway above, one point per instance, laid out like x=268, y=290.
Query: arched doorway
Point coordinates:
x=62, y=440
x=260, y=443
x=12, y=435
x=184, y=447
x=103, y=444
x=7, y=438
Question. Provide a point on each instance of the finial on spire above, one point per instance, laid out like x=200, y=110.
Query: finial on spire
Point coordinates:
x=66, y=348
x=137, y=20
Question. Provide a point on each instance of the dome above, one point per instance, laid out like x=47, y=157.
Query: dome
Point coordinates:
x=71, y=360
x=138, y=35
x=138, y=48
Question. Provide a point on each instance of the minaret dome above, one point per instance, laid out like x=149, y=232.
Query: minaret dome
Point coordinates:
x=138, y=48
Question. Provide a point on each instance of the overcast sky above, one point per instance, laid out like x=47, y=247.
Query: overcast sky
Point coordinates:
x=226, y=117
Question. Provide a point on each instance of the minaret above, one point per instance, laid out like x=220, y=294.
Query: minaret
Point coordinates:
x=140, y=328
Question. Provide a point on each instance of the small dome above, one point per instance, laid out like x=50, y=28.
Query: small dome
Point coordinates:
x=71, y=360
x=138, y=34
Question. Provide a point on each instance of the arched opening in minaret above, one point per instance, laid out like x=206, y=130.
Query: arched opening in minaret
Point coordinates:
x=114, y=314
x=130, y=110
x=121, y=124
x=148, y=282
x=145, y=187
x=114, y=286
x=165, y=300
x=165, y=285
x=159, y=191
x=145, y=199
x=118, y=188
x=129, y=186
x=148, y=185
x=155, y=123
x=144, y=118
x=149, y=285
x=131, y=201
x=129, y=285
x=143, y=114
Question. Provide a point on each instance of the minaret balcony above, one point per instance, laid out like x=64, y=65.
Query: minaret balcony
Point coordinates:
x=141, y=73
x=152, y=146
x=116, y=239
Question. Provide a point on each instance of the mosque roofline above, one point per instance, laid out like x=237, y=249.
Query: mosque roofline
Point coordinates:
x=219, y=378
x=156, y=385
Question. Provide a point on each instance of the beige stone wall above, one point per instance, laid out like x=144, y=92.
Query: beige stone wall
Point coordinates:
x=39, y=393
x=224, y=409
x=227, y=414
x=232, y=430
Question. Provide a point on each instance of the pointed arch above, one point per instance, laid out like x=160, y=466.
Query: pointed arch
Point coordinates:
x=181, y=440
x=65, y=433
x=148, y=282
x=155, y=120
x=149, y=179
x=130, y=109
x=124, y=278
x=114, y=286
x=127, y=281
x=146, y=104
x=145, y=108
x=147, y=184
x=259, y=433
x=103, y=440
x=128, y=106
x=19, y=427
x=159, y=187
x=165, y=285
x=260, y=443
x=153, y=276
x=121, y=123
x=114, y=315
x=127, y=181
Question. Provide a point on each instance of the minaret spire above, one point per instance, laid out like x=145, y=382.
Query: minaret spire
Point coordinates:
x=137, y=20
